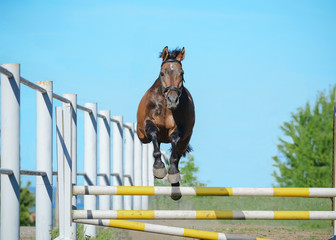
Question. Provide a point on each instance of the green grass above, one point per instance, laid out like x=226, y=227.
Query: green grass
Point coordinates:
x=250, y=203
x=102, y=233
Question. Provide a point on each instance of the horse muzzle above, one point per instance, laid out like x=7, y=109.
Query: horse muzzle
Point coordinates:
x=172, y=101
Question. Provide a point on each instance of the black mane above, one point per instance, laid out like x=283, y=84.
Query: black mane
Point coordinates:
x=172, y=54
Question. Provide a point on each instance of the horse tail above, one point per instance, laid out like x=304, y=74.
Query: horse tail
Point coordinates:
x=188, y=150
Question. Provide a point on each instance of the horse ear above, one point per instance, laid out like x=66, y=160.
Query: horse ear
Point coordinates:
x=181, y=55
x=164, y=54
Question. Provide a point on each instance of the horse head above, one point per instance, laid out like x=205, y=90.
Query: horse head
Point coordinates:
x=171, y=76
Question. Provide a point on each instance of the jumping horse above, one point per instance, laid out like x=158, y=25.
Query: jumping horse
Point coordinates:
x=166, y=114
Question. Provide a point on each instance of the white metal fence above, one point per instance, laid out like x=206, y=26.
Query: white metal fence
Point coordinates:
x=131, y=160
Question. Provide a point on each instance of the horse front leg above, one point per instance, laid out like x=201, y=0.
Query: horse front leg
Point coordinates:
x=174, y=176
x=159, y=168
x=173, y=173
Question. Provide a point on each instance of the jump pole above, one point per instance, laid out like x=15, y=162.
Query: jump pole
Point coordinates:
x=204, y=215
x=206, y=191
x=166, y=230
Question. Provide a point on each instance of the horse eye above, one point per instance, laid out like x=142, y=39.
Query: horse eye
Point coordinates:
x=162, y=73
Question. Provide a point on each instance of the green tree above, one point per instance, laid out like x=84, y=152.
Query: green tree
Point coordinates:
x=189, y=172
x=27, y=201
x=305, y=153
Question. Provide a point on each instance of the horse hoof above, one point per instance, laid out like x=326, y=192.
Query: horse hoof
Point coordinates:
x=176, y=196
x=160, y=172
x=174, y=178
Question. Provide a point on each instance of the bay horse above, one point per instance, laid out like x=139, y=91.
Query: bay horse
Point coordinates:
x=166, y=114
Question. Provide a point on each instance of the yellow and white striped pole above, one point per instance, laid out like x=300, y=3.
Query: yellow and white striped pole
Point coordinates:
x=205, y=191
x=204, y=215
x=167, y=230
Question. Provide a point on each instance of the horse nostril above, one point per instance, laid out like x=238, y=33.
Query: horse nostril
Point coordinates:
x=172, y=98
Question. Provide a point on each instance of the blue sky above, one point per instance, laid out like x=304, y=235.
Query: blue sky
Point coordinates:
x=248, y=65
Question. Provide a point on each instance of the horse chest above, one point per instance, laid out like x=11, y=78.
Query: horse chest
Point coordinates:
x=170, y=122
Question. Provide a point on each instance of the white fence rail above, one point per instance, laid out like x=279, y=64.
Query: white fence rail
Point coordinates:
x=126, y=146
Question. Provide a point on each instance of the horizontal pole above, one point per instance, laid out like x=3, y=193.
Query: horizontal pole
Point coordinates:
x=23, y=80
x=33, y=173
x=161, y=229
x=114, y=120
x=102, y=174
x=126, y=126
x=6, y=72
x=203, y=215
x=84, y=108
x=6, y=171
x=32, y=85
x=78, y=174
x=123, y=125
x=101, y=116
x=205, y=191
x=60, y=98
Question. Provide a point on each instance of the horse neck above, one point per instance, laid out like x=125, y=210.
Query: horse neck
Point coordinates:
x=157, y=84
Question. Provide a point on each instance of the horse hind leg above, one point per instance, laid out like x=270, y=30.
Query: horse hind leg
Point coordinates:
x=159, y=168
x=176, y=192
x=174, y=177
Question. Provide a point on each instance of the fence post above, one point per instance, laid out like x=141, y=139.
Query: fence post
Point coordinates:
x=73, y=99
x=64, y=165
x=60, y=169
x=333, y=171
x=144, y=201
x=129, y=156
x=67, y=166
x=150, y=164
x=117, y=168
x=44, y=159
x=137, y=172
x=10, y=155
x=90, y=161
x=105, y=157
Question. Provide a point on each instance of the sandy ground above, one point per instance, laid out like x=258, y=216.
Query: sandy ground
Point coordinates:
x=27, y=232
x=272, y=232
